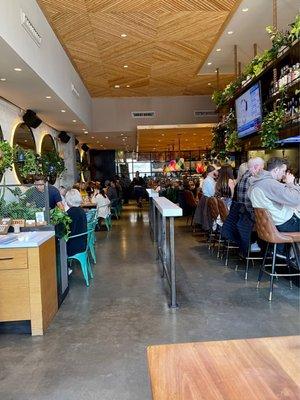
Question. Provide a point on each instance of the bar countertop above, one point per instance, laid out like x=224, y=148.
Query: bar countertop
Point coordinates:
x=25, y=239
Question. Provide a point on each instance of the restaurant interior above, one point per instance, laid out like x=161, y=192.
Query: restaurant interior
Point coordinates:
x=149, y=199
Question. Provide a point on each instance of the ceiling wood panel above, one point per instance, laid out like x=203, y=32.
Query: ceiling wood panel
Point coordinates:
x=167, y=41
x=193, y=137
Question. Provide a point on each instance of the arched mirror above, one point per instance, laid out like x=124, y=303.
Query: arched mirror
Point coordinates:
x=1, y=138
x=86, y=167
x=48, y=145
x=24, y=138
x=48, y=149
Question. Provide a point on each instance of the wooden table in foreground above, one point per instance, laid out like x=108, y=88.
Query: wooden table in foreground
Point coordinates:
x=250, y=369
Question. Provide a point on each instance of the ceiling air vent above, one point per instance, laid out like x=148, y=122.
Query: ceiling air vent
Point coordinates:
x=204, y=113
x=30, y=29
x=143, y=114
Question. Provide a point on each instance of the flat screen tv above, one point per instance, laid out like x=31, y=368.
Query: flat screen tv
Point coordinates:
x=249, y=111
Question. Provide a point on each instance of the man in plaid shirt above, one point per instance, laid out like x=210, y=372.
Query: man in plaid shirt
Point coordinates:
x=255, y=165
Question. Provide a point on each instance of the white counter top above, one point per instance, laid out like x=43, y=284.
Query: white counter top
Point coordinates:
x=152, y=193
x=25, y=239
x=167, y=208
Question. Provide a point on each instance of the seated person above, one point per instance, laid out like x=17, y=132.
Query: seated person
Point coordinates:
x=36, y=195
x=103, y=205
x=282, y=200
x=225, y=184
x=209, y=183
x=78, y=224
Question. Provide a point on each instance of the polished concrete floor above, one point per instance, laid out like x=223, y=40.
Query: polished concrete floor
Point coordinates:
x=96, y=346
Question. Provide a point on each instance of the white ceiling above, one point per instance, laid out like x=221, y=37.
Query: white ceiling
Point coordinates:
x=249, y=28
x=27, y=90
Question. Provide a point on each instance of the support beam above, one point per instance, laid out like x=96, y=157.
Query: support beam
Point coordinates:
x=218, y=78
x=255, y=49
x=240, y=68
x=275, y=19
x=235, y=61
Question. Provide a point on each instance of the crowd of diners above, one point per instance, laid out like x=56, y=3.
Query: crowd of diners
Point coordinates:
x=104, y=195
x=271, y=186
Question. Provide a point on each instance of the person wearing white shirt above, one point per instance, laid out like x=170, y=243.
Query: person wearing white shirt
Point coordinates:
x=209, y=183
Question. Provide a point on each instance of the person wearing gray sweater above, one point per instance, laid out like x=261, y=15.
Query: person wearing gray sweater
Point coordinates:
x=282, y=200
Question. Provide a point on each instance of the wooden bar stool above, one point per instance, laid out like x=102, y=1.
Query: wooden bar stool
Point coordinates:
x=223, y=212
x=268, y=232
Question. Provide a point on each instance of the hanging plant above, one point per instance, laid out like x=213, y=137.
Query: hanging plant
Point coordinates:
x=295, y=29
x=272, y=124
x=218, y=138
x=62, y=223
x=52, y=164
x=6, y=156
x=29, y=163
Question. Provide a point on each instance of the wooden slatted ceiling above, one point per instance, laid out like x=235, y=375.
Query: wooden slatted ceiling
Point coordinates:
x=166, y=42
x=193, y=137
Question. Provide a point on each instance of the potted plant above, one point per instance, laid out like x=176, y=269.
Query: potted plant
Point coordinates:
x=6, y=156
x=52, y=164
x=29, y=163
x=62, y=222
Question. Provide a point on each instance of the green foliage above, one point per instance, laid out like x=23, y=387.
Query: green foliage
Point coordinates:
x=6, y=156
x=52, y=164
x=295, y=29
x=279, y=39
x=62, y=221
x=272, y=124
x=17, y=209
x=232, y=142
x=32, y=163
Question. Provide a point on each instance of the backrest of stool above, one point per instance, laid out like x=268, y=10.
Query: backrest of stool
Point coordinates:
x=213, y=208
x=266, y=228
x=223, y=210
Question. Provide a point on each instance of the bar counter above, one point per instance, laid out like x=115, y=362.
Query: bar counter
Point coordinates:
x=28, y=282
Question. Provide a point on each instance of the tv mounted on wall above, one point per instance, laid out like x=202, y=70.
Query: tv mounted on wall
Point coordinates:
x=249, y=111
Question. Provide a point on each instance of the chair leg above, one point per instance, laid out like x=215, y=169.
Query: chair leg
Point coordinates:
x=273, y=272
x=219, y=245
x=261, y=271
x=247, y=261
x=89, y=268
x=227, y=254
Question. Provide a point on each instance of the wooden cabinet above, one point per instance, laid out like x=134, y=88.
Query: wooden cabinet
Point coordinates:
x=28, y=285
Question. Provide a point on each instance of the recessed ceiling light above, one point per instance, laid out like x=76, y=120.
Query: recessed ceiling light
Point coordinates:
x=123, y=35
x=117, y=86
x=18, y=69
x=218, y=50
x=162, y=134
x=230, y=32
x=202, y=139
x=194, y=134
x=209, y=63
x=63, y=111
x=216, y=70
x=83, y=129
x=93, y=137
x=74, y=120
x=106, y=137
x=125, y=66
x=127, y=85
x=245, y=9
x=3, y=79
x=209, y=84
x=122, y=134
x=123, y=140
x=186, y=140
x=25, y=140
x=48, y=97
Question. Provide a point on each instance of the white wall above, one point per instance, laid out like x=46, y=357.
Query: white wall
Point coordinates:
x=11, y=117
x=114, y=114
x=49, y=60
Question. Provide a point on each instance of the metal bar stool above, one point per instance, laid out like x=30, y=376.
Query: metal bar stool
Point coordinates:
x=268, y=232
x=212, y=206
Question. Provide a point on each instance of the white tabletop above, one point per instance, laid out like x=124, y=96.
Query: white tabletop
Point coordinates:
x=25, y=239
x=152, y=193
x=167, y=208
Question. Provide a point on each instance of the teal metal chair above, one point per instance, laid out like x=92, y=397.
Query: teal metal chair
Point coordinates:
x=92, y=239
x=108, y=223
x=83, y=259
